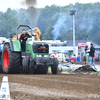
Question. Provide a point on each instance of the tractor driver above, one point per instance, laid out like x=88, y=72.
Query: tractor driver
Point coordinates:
x=23, y=39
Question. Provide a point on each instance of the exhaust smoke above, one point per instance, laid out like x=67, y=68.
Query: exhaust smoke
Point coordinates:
x=29, y=3
x=31, y=11
x=60, y=26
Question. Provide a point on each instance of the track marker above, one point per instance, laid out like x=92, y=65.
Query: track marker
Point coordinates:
x=5, y=92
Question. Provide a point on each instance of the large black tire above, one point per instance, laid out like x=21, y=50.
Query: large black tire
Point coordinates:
x=54, y=67
x=41, y=70
x=11, y=61
x=25, y=65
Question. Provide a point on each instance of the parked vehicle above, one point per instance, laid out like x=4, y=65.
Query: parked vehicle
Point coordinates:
x=61, y=56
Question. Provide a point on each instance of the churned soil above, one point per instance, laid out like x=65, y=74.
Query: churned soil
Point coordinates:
x=85, y=68
x=53, y=87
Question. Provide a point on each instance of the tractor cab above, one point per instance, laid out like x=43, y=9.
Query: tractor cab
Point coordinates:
x=35, y=33
x=17, y=36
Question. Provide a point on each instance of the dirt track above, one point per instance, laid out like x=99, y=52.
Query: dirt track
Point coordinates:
x=54, y=87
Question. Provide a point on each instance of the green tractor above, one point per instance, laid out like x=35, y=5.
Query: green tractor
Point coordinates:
x=35, y=58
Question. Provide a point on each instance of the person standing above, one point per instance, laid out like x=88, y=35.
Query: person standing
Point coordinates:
x=91, y=55
x=23, y=39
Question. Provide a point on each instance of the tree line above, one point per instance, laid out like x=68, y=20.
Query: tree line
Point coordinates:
x=55, y=22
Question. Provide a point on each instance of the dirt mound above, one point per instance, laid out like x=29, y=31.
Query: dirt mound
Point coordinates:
x=86, y=68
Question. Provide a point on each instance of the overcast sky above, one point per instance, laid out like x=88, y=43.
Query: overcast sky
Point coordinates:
x=14, y=4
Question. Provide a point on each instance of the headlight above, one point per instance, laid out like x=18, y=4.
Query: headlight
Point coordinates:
x=38, y=55
x=46, y=55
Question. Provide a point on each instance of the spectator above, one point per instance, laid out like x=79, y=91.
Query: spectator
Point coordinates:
x=91, y=55
x=78, y=58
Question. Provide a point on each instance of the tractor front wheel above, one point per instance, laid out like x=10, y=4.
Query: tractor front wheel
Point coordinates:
x=54, y=67
x=25, y=65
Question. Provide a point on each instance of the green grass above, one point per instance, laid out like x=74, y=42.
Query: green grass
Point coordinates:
x=66, y=69
x=49, y=69
x=93, y=72
x=99, y=72
x=59, y=69
x=96, y=72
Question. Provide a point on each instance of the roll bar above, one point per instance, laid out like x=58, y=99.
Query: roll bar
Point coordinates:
x=22, y=26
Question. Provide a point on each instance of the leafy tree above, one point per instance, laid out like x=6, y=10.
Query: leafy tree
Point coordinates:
x=8, y=22
x=87, y=21
x=48, y=34
x=48, y=15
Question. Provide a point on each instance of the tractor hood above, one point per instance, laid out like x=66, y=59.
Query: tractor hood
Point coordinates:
x=40, y=47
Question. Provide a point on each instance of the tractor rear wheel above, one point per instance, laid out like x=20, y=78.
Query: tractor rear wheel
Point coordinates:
x=11, y=61
x=54, y=67
x=25, y=65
